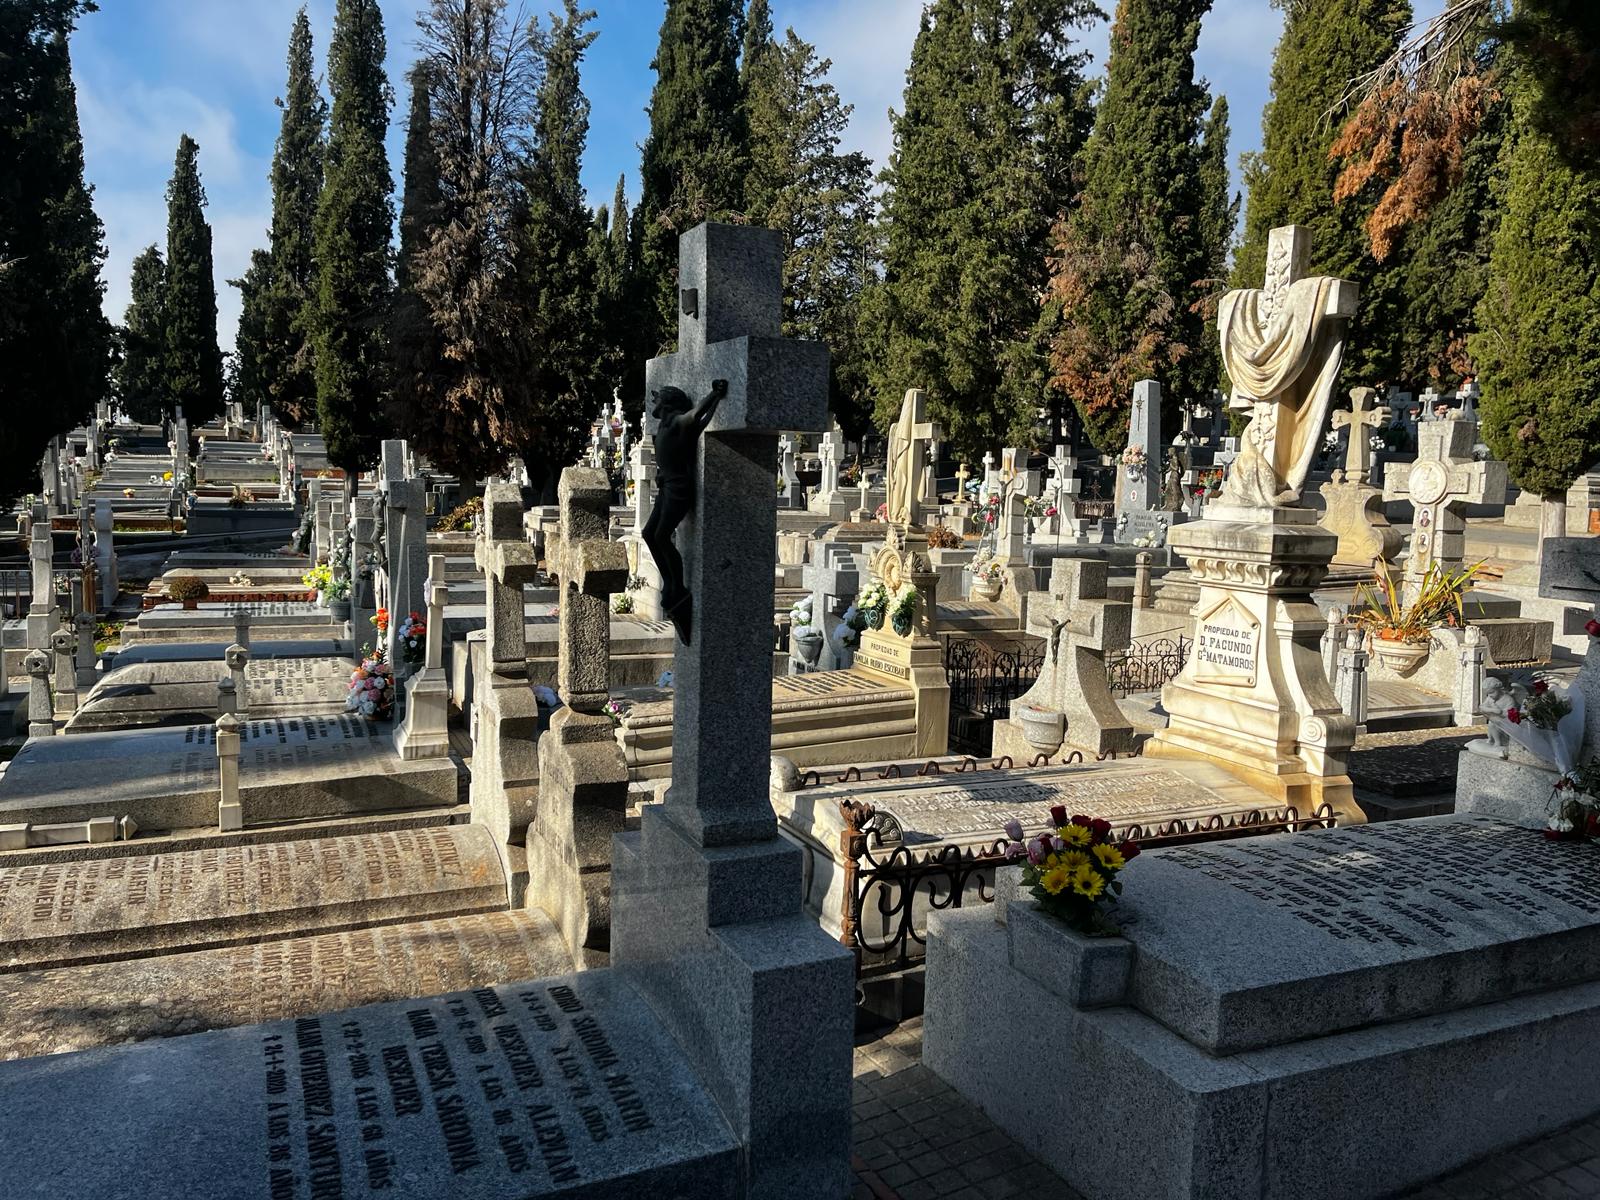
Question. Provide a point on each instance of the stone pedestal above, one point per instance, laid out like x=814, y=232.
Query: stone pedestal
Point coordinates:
x=916, y=658
x=1253, y=697
x=424, y=733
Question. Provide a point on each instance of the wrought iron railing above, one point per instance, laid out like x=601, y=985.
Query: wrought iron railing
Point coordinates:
x=1093, y=510
x=1147, y=666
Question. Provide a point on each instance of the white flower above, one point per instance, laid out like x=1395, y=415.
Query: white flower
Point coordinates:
x=1560, y=825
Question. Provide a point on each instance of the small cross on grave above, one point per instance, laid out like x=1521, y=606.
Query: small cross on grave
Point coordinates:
x=1444, y=478
x=1080, y=627
x=991, y=478
x=1468, y=393
x=1063, y=481
x=1358, y=419
x=591, y=568
x=1430, y=399
x=962, y=475
x=509, y=564
x=730, y=328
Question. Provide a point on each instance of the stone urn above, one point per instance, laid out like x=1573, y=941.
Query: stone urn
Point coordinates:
x=1041, y=727
x=1400, y=657
x=985, y=587
x=340, y=609
x=807, y=641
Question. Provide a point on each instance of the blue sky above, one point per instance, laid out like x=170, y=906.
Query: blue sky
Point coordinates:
x=150, y=70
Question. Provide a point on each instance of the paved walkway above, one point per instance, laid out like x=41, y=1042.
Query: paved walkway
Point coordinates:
x=917, y=1140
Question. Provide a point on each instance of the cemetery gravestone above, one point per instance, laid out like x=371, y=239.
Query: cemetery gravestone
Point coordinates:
x=1137, y=482
x=425, y=731
x=1353, y=508
x=1444, y=478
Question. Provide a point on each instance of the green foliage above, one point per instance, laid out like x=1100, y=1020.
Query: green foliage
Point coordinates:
x=611, y=256
x=187, y=587
x=993, y=117
x=1539, y=319
x=1130, y=259
x=194, y=360
x=696, y=154
x=819, y=199
x=141, y=373
x=1326, y=44
x=1560, y=41
x=54, y=342
x=285, y=356
x=1219, y=215
x=352, y=228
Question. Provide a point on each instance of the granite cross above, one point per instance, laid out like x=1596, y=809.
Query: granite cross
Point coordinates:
x=1444, y=478
x=591, y=568
x=730, y=281
x=1080, y=627
x=508, y=563
x=1358, y=453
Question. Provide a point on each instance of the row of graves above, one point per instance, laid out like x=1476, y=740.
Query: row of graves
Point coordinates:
x=578, y=894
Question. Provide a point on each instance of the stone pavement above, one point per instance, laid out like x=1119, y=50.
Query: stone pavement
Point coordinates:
x=917, y=1140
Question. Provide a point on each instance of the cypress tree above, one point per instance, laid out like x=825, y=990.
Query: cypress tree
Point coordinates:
x=694, y=159
x=194, y=360
x=141, y=374
x=419, y=207
x=1325, y=44
x=819, y=199
x=1128, y=260
x=993, y=118
x=608, y=251
x=286, y=365
x=562, y=389
x=1219, y=214
x=247, y=382
x=353, y=225
x=54, y=341
x=1539, y=318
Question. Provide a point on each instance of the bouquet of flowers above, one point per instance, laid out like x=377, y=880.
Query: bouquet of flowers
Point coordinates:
x=372, y=688
x=1036, y=508
x=1072, y=868
x=1547, y=721
x=882, y=514
x=615, y=711
x=380, y=622
x=903, y=610
x=412, y=638
x=622, y=602
x=848, y=632
x=1134, y=459
x=873, y=604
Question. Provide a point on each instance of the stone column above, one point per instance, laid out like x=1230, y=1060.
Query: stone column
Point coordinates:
x=227, y=697
x=241, y=627
x=230, y=807
x=83, y=628
x=238, y=658
x=1469, y=678
x=424, y=733
x=1351, y=688
x=64, y=646
x=41, y=715
x=1143, y=596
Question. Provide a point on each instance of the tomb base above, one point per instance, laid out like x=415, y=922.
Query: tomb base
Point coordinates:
x=1253, y=697
x=715, y=939
x=505, y=759
x=424, y=731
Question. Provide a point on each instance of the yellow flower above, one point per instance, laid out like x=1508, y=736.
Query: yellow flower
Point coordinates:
x=1086, y=881
x=1054, y=880
x=1075, y=835
x=1073, y=859
x=1110, y=857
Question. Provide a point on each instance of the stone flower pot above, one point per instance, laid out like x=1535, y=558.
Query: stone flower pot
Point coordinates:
x=807, y=643
x=1043, y=729
x=1400, y=657
x=340, y=609
x=984, y=588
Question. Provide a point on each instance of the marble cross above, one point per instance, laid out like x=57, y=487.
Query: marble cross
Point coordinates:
x=962, y=475
x=1081, y=626
x=1429, y=399
x=591, y=568
x=1468, y=394
x=642, y=466
x=828, y=456
x=1062, y=466
x=508, y=563
x=730, y=327
x=1443, y=480
x=991, y=478
x=1359, y=418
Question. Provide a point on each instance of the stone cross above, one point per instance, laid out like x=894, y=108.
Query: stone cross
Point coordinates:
x=962, y=475
x=908, y=460
x=1468, y=394
x=1429, y=399
x=1063, y=481
x=105, y=556
x=405, y=526
x=508, y=564
x=1359, y=418
x=425, y=730
x=230, y=808
x=591, y=568
x=438, y=596
x=1444, y=478
x=991, y=477
x=1081, y=626
x=730, y=328
x=786, y=470
x=828, y=456
x=241, y=627
x=41, y=556
x=41, y=715
x=227, y=697
x=642, y=463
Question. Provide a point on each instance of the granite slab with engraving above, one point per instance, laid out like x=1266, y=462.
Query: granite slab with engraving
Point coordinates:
x=167, y=995
x=167, y=778
x=138, y=695
x=565, y=1086
x=211, y=652
x=1338, y=929
x=96, y=909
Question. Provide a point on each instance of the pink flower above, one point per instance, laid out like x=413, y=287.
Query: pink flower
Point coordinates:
x=1051, y=511
x=1013, y=829
x=989, y=518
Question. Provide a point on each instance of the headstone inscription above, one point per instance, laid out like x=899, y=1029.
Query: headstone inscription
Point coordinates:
x=583, y=780
x=781, y=1076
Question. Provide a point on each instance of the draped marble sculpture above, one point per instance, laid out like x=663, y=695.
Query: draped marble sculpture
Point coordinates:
x=908, y=445
x=1282, y=344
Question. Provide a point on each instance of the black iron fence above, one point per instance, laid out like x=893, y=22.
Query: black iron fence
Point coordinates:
x=985, y=677
x=1147, y=666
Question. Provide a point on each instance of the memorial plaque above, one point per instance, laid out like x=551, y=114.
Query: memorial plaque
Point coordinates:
x=1227, y=646
x=103, y=1004
x=885, y=654
x=831, y=684
x=566, y=1085
x=1311, y=933
x=107, y=908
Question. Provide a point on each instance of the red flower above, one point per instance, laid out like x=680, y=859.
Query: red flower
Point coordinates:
x=1129, y=851
x=1100, y=827
x=1514, y=715
x=1541, y=686
x=1058, y=816
x=1592, y=627
x=1080, y=819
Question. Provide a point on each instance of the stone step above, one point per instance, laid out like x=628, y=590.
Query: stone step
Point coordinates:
x=104, y=909
x=103, y=1004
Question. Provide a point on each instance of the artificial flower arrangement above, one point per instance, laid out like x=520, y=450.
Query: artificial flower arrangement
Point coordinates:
x=882, y=514
x=412, y=638
x=1438, y=601
x=1547, y=721
x=987, y=568
x=1035, y=508
x=240, y=579
x=1072, y=868
x=848, y=632
x=372, y=688
x=127, y=493
x=380, y=622
x=991, y=508
x=622, y=602
x=941, y=537
x=903, y=608
x=1575, y=802
x=873, y=604
x=1135, y=460
x=615, y=710
x=321, y=580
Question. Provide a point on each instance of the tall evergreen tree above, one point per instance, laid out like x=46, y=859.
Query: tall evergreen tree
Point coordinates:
x=613, y=276
x=419, y=206
x=993, y=118
x=288, y=311
x=1325, y=44
x=352, y=229
x=563, y=390
x=1129, y=258
x=141, y=374
x=1219, y=214
x=695, y=156
x=194, y=360
x=1539, y=319
x=245, y=377
x=55, y=343
x=819, y=199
